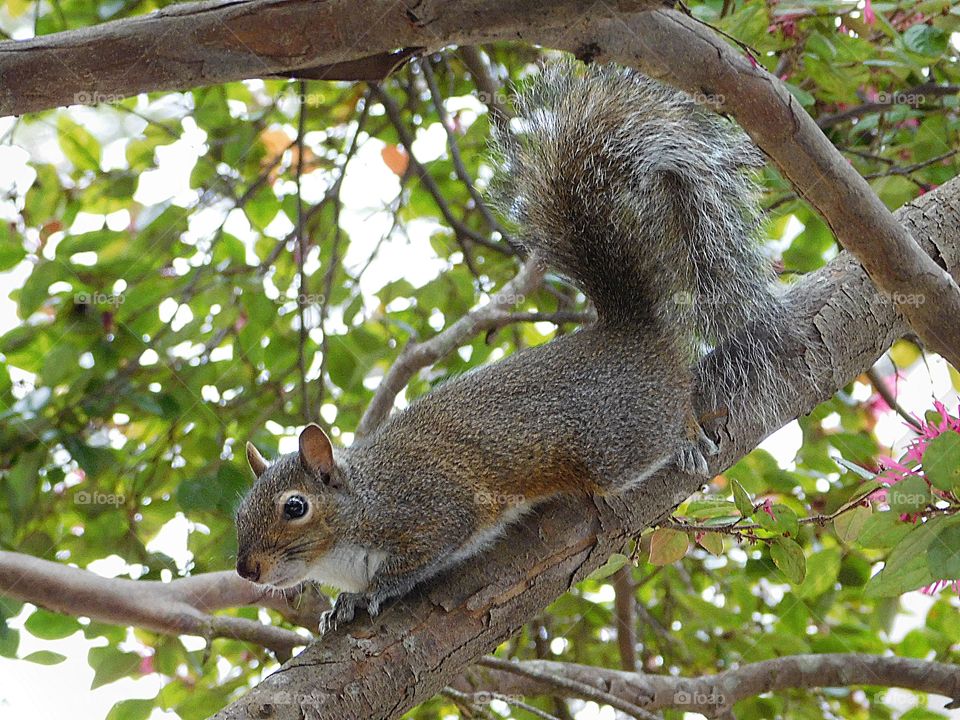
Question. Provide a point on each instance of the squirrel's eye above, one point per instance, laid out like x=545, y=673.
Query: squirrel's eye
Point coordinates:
x=295, y=507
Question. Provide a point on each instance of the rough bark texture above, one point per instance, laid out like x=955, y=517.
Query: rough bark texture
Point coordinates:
x=715, y=695
x=205, y=43
x=380, y=669
x=181, y=607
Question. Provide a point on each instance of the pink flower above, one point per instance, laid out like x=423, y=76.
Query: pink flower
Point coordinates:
x=939, y=585
x=767, y=507
x=869, y=16
x=893, y=470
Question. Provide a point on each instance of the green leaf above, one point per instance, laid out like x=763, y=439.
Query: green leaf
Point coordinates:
x=9, y=640
x=941, y=461
x=788, y=556
x=711, y=542
x=741, y=499
x=667, y=546
x=131, y=710
x=943, y=558
x=36, y=288
x=612, y=565
x=23, y=480
x=925, y=40
x=849, y=524
x=783, y=522
x=80, y=147
x=11, y=246
x=51, y=626
x=822, y=570
x=45, y=657
x=909, y=495
x=95, y=461
x=199, y=494
x=110, y=664
x=856, y=469
x=906, y=567
x=711, y=510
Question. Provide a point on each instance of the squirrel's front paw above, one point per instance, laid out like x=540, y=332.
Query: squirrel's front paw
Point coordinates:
x=692, y=456
x=344, y=608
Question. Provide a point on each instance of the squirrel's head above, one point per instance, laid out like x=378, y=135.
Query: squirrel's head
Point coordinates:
x=291, y=516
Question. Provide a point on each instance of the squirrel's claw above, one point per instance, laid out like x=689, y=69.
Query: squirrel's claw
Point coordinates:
x=343, y=611
x=706, y=445
x=692, y=456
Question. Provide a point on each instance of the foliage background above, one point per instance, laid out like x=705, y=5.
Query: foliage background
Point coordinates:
x=167, y=310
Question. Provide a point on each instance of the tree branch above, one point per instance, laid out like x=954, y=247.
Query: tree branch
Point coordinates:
x=416, y=356
x=180, y=607
x=713, y=695
x=913, y=97
x=379, y=669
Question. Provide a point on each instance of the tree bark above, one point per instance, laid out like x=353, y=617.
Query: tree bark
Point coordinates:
x=181, y=607
x=715, y=695
x=382, y=668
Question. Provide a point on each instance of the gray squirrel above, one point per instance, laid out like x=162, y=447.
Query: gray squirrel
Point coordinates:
x=644, y=201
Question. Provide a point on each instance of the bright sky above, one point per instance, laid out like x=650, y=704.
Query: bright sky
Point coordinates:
x=25, y=688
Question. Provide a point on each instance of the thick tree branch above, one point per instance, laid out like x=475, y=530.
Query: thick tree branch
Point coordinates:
x=714, y=695
x=205, y=43
x=379, y=669
x=180, y=607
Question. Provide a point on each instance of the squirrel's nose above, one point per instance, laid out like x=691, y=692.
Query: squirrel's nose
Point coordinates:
x=247, y=569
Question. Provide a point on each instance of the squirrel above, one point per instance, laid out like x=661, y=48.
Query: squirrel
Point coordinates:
x=646, y=202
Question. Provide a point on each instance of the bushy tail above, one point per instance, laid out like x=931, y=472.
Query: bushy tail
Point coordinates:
x=643, y=199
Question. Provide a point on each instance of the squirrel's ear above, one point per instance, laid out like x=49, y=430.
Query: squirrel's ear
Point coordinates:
x=257, y=463
x=316, y=451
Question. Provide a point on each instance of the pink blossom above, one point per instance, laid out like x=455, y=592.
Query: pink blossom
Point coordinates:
x=939, y=585
x=767, y=507
x=893, y=470
x=914, y=454
x=869, y=16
